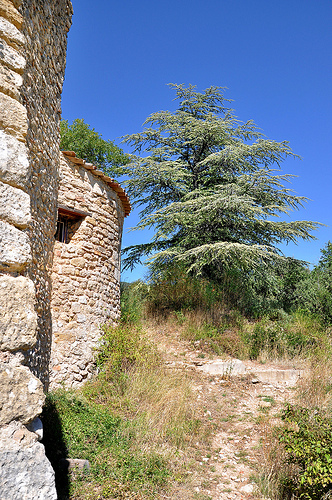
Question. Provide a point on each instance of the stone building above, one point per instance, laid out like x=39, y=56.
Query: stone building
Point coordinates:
x=33, y=40
x=86, y=266
x=43, y=193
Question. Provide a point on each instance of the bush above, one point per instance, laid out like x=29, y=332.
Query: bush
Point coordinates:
x=173, y=289
x=308, y=446
x=133, y=297
x=289, y=336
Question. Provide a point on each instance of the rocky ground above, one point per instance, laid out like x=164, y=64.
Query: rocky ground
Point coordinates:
x=239, y=404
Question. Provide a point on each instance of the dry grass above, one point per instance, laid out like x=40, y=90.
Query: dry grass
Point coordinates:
x=161, y=401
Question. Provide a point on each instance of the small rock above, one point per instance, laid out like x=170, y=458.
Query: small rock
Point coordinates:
x=74, y=463
x=247, y=488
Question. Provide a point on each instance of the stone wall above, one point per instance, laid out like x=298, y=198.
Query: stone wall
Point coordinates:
x=32, y=61
x=86, y=271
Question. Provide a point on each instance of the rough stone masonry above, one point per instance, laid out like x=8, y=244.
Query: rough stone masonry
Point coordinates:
x=33, y=38
x=86, y=267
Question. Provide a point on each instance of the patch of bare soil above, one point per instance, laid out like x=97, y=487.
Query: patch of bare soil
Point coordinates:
x=238, y=411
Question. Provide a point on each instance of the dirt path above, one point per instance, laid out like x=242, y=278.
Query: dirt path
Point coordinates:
x=238, y=409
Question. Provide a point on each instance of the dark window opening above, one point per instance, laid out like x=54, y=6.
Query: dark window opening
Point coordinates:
x=69, y=220
x=62, y=229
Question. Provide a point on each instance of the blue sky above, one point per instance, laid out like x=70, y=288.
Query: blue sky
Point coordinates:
x=274, y=57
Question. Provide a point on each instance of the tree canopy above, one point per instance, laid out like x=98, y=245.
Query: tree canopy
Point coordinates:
x=209, y=185
x=90, y=146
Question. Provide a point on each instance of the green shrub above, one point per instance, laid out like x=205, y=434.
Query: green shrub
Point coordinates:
x=133, y=296
x=122, y=349
x=308, y=445
x=173, y=289
x=289, y=336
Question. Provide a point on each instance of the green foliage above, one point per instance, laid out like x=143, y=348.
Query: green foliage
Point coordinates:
x=75, y=427
x=308, y=445
x=172, y=289
x=314, y=291
x=133, y=296
x=90, y=146
x=287, y=336
x=122, y=349
x=208, y=187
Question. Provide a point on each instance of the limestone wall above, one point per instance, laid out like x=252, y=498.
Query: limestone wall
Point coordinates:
x=32, y=60
x=86, y=272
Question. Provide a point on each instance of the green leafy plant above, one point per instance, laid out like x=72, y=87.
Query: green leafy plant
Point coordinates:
x=308, y=446
x=289, y=336
x=122, y=349
x=133, y=299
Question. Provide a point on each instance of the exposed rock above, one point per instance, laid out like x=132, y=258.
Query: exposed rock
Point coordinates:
x=284, y=376
x=247, y=488
x=21, y=394
x=26, y=474
x=18, y=319
x=15, y=250
x=229, y=368
x=15, y=206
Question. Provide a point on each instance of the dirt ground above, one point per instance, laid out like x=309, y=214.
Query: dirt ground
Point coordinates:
x=238, y=409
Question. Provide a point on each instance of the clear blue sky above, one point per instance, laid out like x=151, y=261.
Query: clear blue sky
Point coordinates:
x=274, y=57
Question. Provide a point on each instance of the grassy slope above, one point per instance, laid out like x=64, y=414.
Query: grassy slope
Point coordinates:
x=140, y=424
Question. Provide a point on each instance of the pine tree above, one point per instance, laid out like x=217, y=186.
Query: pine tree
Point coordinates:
x=209, y=185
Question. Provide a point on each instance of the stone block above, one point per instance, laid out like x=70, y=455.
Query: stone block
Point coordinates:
x=15, y=205
x=18, y=319
x=64, y=337
x=9, y=31
x=13, y=116
x=91, y=220
x=275, y=376
x=75, y=464
x=10, y=82
x=14, y=163
x=78, y=262
x=8, y=11
x=15, y=251
x=76, y=307
x=36, y=426
x=26, y=474
x=11, y=57
x=21, y=394
x=229, y=368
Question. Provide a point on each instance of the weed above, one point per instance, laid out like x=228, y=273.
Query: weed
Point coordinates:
x=297, y=334
x=307, y=441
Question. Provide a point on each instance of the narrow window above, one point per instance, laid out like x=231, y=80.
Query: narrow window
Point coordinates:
x=69, y=221
x=62, y=229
